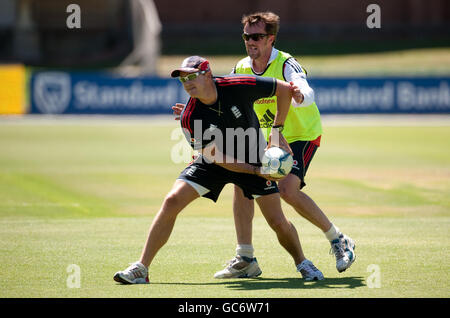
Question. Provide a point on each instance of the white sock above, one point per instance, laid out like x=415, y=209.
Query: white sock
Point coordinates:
x=333, y=233
x=245, y=250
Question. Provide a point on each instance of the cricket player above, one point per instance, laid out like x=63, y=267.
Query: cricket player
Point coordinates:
x=218, y=105
x=302, y=130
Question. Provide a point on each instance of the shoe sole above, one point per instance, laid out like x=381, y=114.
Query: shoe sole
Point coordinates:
x=314, y=279
x=240, y=276
x=118, y=278
x=250, y=276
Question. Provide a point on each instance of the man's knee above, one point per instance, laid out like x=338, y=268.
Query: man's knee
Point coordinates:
x=289, y=188
x=172, y=203
x=288, y=193
x=180, y=196
x=279, y=224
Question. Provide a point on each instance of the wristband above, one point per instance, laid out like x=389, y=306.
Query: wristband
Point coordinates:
x=279, y=127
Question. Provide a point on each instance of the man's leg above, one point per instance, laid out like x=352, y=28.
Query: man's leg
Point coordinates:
x=270, y=206
x=176, y=200
x=243, y=265
x=343, y=246
x=243, y=212
x=290, y=192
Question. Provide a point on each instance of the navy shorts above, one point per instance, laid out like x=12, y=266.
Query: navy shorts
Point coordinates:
x=303, y=153
x=213, y=178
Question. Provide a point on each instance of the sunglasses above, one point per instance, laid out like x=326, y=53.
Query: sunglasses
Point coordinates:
x=191, y=76
x=254, y=36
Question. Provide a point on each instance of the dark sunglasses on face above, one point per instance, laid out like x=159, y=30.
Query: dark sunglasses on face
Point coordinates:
x=191, y=76
x=254, y=36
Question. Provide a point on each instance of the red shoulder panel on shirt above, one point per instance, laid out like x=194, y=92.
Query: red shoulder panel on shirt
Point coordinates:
x=236, y=80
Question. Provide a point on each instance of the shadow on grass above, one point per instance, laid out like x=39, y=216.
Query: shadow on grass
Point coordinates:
x=280, y=283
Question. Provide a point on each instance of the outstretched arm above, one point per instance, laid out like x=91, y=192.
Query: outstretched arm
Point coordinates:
x=284, y=97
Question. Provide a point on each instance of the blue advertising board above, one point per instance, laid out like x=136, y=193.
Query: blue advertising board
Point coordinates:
x=382, y=95
x=101, y=93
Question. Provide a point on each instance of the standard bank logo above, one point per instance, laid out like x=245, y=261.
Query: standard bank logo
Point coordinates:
x=52, y=92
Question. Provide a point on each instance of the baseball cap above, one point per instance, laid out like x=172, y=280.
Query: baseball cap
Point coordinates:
x=191, y=64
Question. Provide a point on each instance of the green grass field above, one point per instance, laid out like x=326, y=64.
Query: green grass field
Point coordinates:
x=407, y=62
x=84, y=192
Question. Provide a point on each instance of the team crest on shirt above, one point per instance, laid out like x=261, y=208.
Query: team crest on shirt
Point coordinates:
x=236, y=112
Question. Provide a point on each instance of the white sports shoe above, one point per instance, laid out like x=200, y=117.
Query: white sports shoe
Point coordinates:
x=240, y=267
x=344, y=250
x=136, y=273
x=309, y=271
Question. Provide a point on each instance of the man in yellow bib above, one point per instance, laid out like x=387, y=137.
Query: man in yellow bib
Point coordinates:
x=302, y=130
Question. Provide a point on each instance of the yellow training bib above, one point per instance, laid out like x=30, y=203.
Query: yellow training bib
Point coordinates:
x=302, y=123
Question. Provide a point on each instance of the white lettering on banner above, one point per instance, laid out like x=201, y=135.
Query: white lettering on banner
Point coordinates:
x=403, y=95
x=412, y=97
x=90, y=95
x=356, y=98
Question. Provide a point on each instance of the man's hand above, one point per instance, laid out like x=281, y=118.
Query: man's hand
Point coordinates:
x=276, y=139
x=177, y=109
x=296, y=93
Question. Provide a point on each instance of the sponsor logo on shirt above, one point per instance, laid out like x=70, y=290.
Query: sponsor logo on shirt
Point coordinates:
x=267, y=119
x=264, y=101
x=295, y=165
x=270, y=185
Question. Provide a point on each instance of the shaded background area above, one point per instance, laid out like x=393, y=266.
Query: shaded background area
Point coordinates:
x=307, y=26
x=35, y=32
